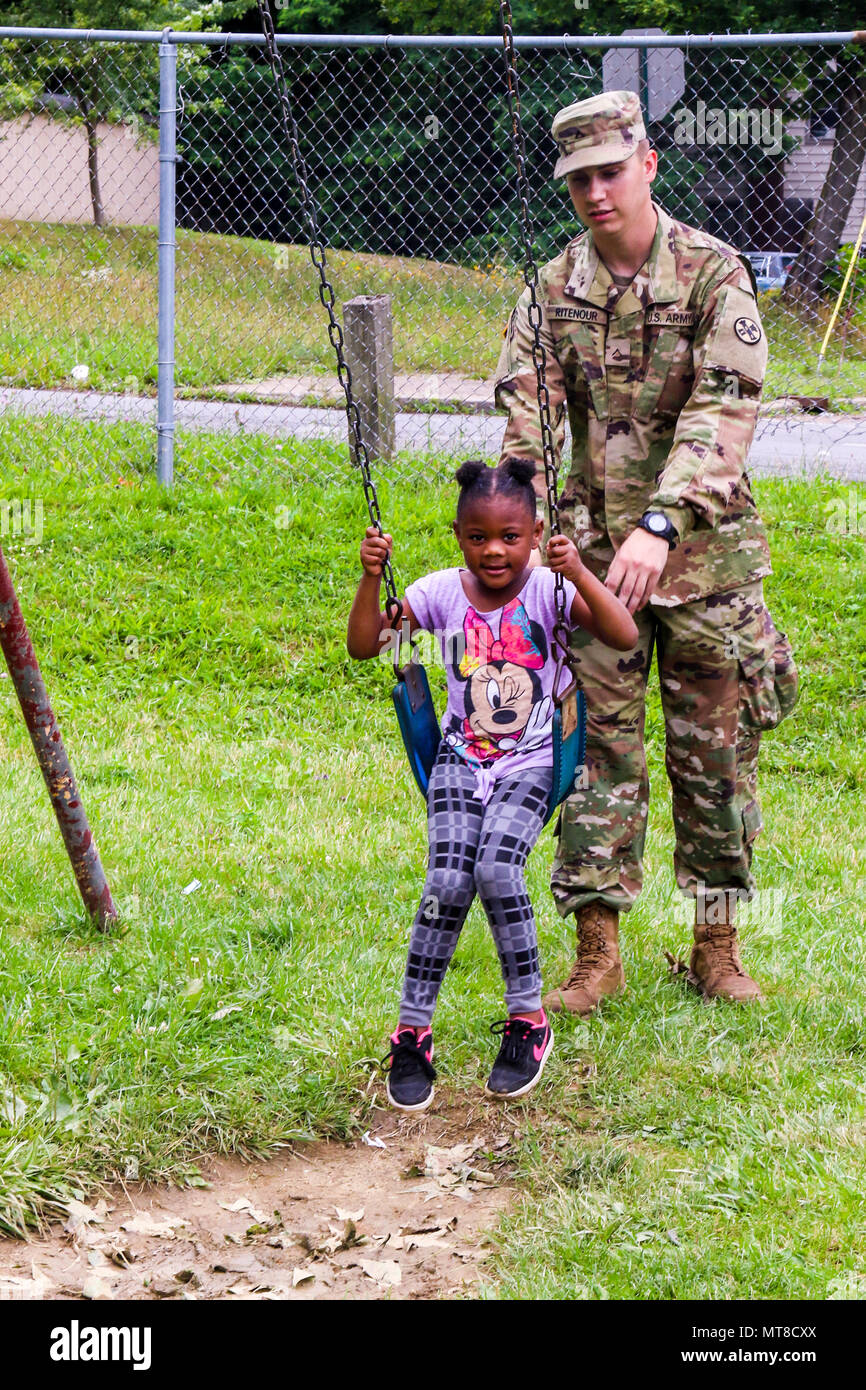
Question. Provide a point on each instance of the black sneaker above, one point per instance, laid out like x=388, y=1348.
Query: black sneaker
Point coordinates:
x=523, y=1052
x=410, y=1069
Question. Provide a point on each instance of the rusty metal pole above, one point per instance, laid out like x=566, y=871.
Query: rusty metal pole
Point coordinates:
x=45, y=733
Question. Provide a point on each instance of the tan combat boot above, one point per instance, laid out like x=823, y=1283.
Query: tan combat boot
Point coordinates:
x=597, y=970
x=715, y=967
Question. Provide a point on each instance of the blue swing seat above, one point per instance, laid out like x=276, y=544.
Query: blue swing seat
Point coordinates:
x=419, y=727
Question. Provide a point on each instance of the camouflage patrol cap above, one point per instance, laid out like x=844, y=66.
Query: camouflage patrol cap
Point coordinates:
x=601, y=130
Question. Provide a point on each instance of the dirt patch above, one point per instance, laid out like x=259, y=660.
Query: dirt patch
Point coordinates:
x=400, y=1214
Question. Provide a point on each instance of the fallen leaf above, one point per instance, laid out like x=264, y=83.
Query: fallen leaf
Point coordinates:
x=451, y=1166
x=243, y=1289
x=95, y=1288
x=430, y=1242
x=386, y=1273
x=437, y=1230
x=34, y=1288
x=244, y=1262
x=144, y=1225
x=340, y=1240
x=224, y=1013
x=80, y=1214
x=350, y=1215
x=244, y=1204
x=438, y=1160
x=477, y=1175
x=120, y=1255
x=300, y=1275
x=393, y=1242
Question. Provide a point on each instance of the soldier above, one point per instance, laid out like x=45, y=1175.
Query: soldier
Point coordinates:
x=654, y=345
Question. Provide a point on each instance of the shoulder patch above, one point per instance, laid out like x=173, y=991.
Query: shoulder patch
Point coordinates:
x=737, y=342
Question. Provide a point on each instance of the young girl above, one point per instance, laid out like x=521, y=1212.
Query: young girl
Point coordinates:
x=490, y=784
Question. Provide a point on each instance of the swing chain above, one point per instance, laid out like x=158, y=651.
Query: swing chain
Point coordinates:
x=326, y=292
x=530, y=276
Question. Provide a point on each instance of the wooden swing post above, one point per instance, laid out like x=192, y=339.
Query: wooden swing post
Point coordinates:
x=56, y=769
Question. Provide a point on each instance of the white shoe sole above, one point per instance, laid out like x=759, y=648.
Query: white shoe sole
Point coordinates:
x=524, y=1090
x=410, y=1109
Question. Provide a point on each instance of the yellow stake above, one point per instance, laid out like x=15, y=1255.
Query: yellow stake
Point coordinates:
x=855, y=254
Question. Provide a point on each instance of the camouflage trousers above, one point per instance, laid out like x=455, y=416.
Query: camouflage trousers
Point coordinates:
x=726, y=674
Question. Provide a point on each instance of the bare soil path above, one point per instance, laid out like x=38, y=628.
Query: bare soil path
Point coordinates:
x=401, y=1214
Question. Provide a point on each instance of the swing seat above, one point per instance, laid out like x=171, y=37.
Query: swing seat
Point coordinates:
x=569, y=744
x=419, y=727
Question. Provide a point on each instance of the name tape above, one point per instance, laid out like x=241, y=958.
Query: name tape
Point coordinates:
x=579, y=313
x=672, y=318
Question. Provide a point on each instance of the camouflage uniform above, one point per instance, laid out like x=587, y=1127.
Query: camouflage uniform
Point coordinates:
x=662, y=382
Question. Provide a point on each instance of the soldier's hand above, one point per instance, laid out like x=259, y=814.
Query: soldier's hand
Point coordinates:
x=563, y=558
x=375, y=550
x=637, y=568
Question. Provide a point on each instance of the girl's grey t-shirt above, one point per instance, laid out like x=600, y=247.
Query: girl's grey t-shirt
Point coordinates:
x=499, y=666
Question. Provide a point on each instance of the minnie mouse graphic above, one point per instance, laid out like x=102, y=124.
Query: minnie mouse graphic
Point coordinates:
x=505, y=708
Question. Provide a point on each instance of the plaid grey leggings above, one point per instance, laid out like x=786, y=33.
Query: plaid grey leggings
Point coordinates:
x=477, y=849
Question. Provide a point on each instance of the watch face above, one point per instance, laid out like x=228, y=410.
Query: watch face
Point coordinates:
x=657, y=523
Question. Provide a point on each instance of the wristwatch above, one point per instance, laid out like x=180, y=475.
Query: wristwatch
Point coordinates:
x=658, y=525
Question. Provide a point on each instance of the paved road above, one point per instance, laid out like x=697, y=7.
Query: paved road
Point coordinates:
x=786, y=445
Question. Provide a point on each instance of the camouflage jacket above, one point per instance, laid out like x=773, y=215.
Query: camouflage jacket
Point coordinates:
x=662, y=383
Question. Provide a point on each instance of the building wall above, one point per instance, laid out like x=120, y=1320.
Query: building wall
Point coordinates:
x=43, y=173
x=805, y=171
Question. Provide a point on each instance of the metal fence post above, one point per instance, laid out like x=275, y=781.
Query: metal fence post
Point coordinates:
x=369, y=334
x=167, y=246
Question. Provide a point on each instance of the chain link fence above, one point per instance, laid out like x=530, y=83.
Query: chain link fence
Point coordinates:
x=407, y=144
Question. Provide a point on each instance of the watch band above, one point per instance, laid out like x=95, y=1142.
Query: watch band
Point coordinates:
x=657, y=524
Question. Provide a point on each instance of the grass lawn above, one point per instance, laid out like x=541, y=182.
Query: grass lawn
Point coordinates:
x=247, y=310
x=193, y=645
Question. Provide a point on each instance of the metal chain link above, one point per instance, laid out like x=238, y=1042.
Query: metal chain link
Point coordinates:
x=530, y=276
x=326, y=291
x=405, y=135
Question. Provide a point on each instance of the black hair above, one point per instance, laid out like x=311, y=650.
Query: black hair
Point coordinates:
x=510, y=478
